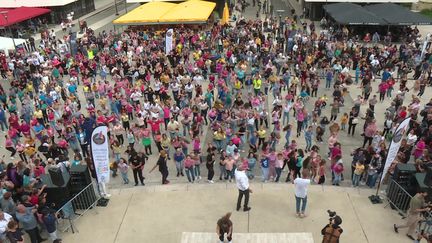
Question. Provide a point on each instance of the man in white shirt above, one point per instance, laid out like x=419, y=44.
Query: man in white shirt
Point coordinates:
x=301, y=185
x=242, y=182
x=4, y=220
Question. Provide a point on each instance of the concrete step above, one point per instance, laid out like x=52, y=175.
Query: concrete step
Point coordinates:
x=202, y=237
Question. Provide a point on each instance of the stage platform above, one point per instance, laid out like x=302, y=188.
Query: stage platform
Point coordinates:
x=202, y=237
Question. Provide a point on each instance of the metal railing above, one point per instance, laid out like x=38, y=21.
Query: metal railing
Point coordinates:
x=76, y=207
x=398, y=198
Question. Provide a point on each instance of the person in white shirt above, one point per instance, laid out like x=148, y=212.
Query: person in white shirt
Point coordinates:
x=301, y=185
x=242, y=182
x=4, y=220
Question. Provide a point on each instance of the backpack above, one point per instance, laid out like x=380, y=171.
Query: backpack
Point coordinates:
x=331, y=235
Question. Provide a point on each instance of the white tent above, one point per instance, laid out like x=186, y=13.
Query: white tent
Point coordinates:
x=6, y=43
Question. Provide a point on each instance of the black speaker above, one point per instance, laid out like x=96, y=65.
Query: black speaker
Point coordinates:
x=80, y=178
x=56, y=195
x=419, y=184
x=403, y=173
x=56, y=176
x=428, y=177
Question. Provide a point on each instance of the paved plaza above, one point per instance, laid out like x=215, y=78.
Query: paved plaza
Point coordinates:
x=162, y=213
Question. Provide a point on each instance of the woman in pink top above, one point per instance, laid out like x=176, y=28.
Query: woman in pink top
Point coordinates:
x=272, y=164
x=25, y=129
x=300, y=116
x=189, y=164
x=369, y=133
x=279, y=165
x=331, y=141
x=229, y=168
x=166, y=115
x=9, y=145
x=420, y=147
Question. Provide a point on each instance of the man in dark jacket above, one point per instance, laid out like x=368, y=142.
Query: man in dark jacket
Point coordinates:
x=49, y=220
x=331, y=232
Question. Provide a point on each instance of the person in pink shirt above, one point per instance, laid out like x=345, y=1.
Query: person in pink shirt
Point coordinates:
x=166, y=115
x=25, y=128
x=300, y=117
x=196, y=145
x=189, y=165
x=335, y=151
x=10, y=146
x=279, y=165
x=369, y=132
x=419, y=148
x=272, y=157
x=229, y=168
x=155, y=125
x=331, y=141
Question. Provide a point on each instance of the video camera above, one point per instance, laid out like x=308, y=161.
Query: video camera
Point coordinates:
x=334, y=218
x=331, y=214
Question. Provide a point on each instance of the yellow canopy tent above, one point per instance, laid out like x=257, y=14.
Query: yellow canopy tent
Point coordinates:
x=149, y=13
x=192, y=11
x=225, y=15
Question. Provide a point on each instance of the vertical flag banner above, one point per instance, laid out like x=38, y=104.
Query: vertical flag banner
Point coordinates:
x=100, y=153
x=169, y=41
x=395, y=145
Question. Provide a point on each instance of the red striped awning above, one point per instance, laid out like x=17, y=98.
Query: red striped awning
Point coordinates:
x=21, y=14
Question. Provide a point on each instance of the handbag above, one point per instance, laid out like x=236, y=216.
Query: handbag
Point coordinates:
x=355, y=121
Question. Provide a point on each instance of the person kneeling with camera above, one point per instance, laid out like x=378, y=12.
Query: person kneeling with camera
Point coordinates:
x=331, y=232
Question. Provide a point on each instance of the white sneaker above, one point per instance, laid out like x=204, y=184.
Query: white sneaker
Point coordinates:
x=210, y=181
x=199, y=177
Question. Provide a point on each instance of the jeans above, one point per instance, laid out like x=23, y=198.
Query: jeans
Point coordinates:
x=265, y=174
x=197, y=170
x=328, y=83
x=218, y=144
x=179, y=167
x=303, y=202
x=34, y=235
x=137, y=173
x=371, y=180
x=229, y=174
x=250, y=173
x=285, y=115
x=240, y=197
x=337, y=179
x=278, y=173
x=125, y=177
x=308, y=143
x=3, y=124
x=222, y=172
x=117, y=157
x=190, y=173
x=356, y=180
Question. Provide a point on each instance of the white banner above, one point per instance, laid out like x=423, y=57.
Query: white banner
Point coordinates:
x=100, y=153
x=169, y=41
x=395, y=144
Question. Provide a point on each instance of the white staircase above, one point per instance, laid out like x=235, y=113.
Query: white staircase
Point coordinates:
x=202, y=237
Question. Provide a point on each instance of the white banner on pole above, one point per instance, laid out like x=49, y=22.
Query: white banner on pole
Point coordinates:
x=169, y=41
x=100, y=153
x=395, y=144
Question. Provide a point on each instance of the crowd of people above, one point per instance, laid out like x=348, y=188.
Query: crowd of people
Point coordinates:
x=244, y=94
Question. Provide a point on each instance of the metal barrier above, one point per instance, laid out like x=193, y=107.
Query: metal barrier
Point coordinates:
x=76, y=207
x=398, y=198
